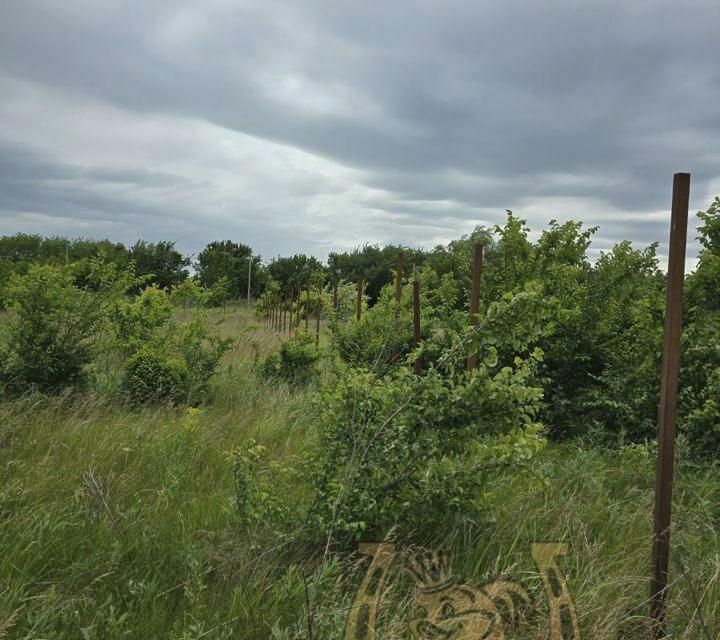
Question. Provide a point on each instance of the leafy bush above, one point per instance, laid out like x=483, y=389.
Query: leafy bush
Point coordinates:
x=296, y=362
x=153, y=376
x=404, y=451
x=175, y=366
x=54, y=325
x=137, y=320
x=385, y=330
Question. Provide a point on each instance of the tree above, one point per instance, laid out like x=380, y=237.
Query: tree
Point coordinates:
x=165, y=265
x=54, y=325
x=294, y=271
x=373, y=264
x=228, y=259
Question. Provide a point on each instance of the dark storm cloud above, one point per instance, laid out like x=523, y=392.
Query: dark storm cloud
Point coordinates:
x=444, y=111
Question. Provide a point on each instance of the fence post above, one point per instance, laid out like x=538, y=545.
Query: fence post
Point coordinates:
x=307, y=306
x=284, y=314
x=358, y=303
x=297, y=312
x=335, y=295
x=398, y=297
x=668, y=401
x=475, y=296
x=249, y=276
x=416, y=323
x=318, y=304
x=290, y=319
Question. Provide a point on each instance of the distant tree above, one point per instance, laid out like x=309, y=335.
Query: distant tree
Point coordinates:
x=294, y=271
x=165, y=265
x=228, y=259
x=373, y=264
x=21, y=247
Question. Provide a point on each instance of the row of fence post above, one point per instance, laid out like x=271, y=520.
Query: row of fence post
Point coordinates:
x=669, y=379
x=280, y=306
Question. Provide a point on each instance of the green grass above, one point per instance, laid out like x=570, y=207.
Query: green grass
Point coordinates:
x=121, y=523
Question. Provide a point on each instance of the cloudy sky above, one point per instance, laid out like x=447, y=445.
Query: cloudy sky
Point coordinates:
x=311, y=125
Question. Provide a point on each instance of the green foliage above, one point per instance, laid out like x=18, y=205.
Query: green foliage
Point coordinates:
x=699, y=407
x=219, y=293
x=154, y=376
x=296, y=362
x=703, y=287
x=54, y=325
x=294, y=271
x=257, y=501
x=137, y=320
x=407, y=451
x=165, y=265
x=188, y=294
x=174, y=365
x=373, y=264
x=231, y=261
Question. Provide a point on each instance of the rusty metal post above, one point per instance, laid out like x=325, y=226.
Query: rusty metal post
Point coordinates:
x=416, y=323
x=398, y=297
x=249, y=278
x=398, y=277
x=475, y=296
x=307, y=306
x=668, y=401
x=358, y=302
x=318, y=304
x=290, y=319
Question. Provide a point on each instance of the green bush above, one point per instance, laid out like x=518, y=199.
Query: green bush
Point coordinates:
x=152, y=376
x=296, y=362
x=408, y=452
x=136, y=321
x=175, y=365
x=54, y=326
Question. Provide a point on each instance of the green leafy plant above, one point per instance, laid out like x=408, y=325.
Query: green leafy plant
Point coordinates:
x=54, y=326
x=402, y=451
x=174, y=366
x=296, y=361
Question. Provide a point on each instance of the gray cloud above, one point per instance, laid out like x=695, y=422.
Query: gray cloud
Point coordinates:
x=311, y=125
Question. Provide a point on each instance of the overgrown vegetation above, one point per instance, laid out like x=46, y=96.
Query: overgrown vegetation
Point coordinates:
x=173, y=466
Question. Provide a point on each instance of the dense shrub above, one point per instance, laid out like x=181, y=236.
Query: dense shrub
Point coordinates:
x=382, y=337
x=296, y=361
x=137, y=320
x=175, y=365
x=153, y=376
x=407, y=452
x=53, y=327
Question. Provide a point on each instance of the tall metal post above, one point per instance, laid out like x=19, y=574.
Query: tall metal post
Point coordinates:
x=475, y=296
x=416, y=323
x=668, y=401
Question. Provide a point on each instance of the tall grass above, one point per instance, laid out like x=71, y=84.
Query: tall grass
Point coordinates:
x=117, y=522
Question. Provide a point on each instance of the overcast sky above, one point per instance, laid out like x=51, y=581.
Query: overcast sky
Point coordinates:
x=313, y=125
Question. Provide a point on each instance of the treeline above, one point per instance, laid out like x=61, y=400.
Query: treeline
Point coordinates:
x=600, y=324
x=234, y=264
x=601, y=343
